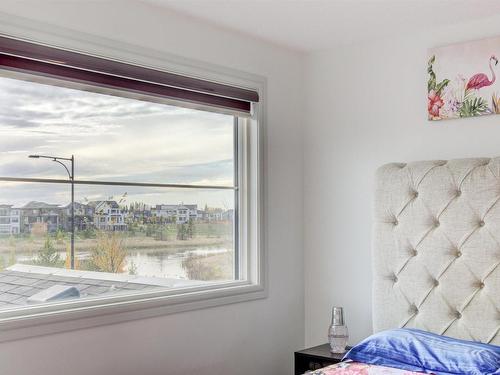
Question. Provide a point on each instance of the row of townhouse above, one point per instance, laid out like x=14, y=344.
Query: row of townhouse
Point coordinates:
x=40, y=217
x=183, y=213
x=218, y=214
x=180, y=213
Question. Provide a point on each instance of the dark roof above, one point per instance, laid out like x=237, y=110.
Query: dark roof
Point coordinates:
x=112, y=204
x=78, y=205
x=175, y=206
x=35, y=205
x=166, y=206
x=16, y=286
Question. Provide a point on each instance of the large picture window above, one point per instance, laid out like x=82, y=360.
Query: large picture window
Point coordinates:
x=132, y=222
x=106, y=193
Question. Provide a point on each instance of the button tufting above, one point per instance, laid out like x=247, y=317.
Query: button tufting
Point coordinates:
x=464, y=227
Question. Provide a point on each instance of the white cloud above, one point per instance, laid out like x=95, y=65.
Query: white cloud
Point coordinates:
x=112, y=138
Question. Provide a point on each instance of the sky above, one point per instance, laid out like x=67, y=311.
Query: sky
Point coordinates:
x=112, y=139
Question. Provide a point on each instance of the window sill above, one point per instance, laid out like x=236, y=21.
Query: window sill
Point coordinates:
x=73, y=315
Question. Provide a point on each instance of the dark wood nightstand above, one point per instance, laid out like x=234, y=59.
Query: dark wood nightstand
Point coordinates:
x=315, y=358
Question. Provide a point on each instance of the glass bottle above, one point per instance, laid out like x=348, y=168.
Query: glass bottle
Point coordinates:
x=337, y=333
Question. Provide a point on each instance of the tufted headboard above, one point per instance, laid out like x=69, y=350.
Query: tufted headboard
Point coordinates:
x=436, y=250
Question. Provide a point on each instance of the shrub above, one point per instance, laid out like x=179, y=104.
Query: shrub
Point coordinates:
x=209, y=267
x=109, y=254
x=60, y=236
x=161, y=233
x=48, y=256
x=132, y=268
x=190, y=229
x=182, y=233
x=88, y=232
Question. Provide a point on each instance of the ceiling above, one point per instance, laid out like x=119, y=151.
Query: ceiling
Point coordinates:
x=309, y=25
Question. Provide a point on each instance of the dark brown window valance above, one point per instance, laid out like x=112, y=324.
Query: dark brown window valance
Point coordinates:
x=40, y=60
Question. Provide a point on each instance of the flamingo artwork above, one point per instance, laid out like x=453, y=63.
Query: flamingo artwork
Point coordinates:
x=453, y=91
x=480, y=80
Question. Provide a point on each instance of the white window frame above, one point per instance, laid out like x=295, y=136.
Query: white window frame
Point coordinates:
x=76, y=314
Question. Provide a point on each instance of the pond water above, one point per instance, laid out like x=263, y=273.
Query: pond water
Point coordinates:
x=166, y=265
x=151, y=262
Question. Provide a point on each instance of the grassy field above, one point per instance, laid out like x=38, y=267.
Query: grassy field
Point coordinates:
x=157, y=241
x=155, y=237
x=34, y=244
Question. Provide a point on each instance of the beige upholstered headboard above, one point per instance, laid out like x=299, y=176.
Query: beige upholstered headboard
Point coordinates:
x=437, y=248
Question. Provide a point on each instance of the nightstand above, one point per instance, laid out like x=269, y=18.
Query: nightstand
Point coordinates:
x=315, y=358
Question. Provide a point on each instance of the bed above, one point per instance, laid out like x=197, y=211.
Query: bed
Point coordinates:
x=436, y=252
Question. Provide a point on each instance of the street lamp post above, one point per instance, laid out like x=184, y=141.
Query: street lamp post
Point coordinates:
x=71, y=176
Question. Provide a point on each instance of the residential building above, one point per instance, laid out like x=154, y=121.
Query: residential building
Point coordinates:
x=39, y=217
x=165, y=212
x=192, y=212
x=84, y=216
x=139, y=213
x=213, y=214
x=10, y=220
x=178, y=213
x=228, y=215
x=108, y=216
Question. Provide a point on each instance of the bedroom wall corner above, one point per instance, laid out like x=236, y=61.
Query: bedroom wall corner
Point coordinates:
x=366, y=106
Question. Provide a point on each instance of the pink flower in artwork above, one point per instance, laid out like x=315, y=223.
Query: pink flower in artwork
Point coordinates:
x=434, y=104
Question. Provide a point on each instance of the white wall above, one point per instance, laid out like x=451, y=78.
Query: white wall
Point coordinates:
x=366, y=106
x=246, y=338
